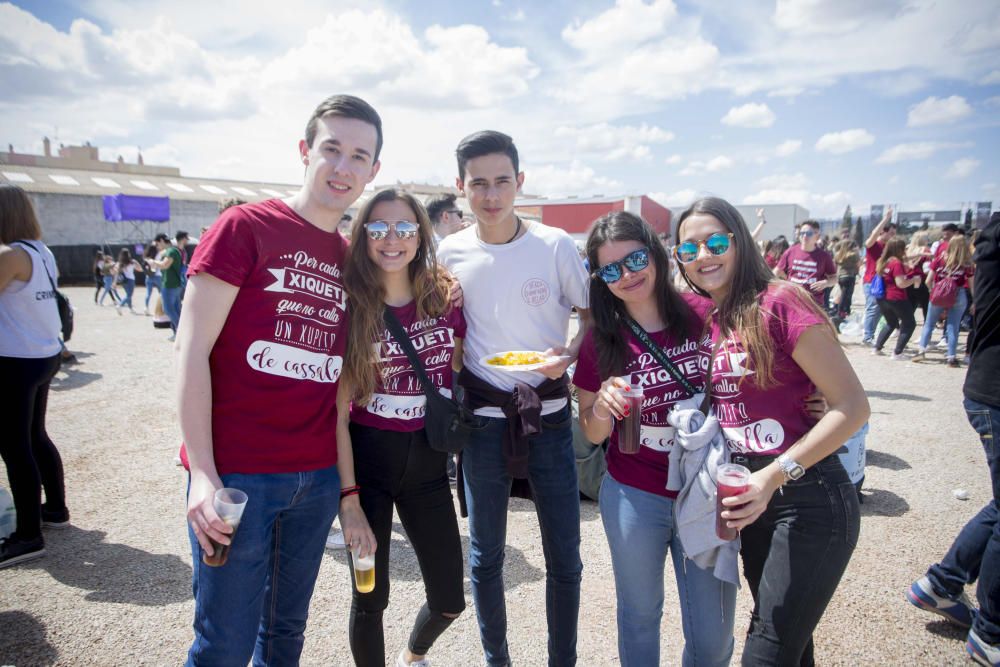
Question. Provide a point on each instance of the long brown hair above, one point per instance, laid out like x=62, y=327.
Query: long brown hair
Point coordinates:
x=608, y=310
x=894, y=247
x=844, y=250
x=366, y=294
x=17, y=216
x=957, y=256
x=740, y=312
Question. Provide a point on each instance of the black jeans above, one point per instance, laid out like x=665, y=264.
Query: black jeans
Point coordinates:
x=401, y=470
x=32, y=461
x=898, y=315
x=846, y=294
x=793, y=558
x=919, y=297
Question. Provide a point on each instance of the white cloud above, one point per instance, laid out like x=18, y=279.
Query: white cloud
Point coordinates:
x=518, y=15
x=788, y=147
x=679, y=198
x=615, y=142
x=989, y=187
x=749, y=115
x=629, y=22
x=552, y=180
x=992, y=102
x=796, y=188
x=936, y=111
x=839, y=143
x=813, y=16
x=920, y=150
x=963, y=167
x=716, y=164
x=674, y=159
x=991, y=79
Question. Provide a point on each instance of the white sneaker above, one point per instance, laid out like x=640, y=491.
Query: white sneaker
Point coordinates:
x=943, y=343
x=898, y=357
x=401, y=662
x=171, y=338
x=335, y=540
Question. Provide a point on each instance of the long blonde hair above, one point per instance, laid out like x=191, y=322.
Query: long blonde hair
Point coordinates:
x=366, y=293
x=957, y=256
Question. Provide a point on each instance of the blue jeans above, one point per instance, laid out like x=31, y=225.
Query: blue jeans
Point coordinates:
x=952, y=323
x=257, y=603
x=171, y=298
x=129, y=286
x=552, y=475
x=975, y=554
x=153, y=280
x=109, y=289
x=640, y=530
x=872, y=313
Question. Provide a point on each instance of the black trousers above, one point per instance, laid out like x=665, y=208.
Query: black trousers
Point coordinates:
x=793, y=558
x=898, y=315
x=401, y=470
x=32, y=461
x=919, y=297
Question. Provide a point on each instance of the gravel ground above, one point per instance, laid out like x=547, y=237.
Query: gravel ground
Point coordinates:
x=115, y=587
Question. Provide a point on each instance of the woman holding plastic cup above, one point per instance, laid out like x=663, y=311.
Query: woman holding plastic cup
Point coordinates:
x=392, y=267
x=775, y=347
x=631, y=285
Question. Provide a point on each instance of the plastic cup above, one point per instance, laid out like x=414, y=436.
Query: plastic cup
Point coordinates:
x=364, y=571
x=731, y=480
x=229, y=505
x=630, y=427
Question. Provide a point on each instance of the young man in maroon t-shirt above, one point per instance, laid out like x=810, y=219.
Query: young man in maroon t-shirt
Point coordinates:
x=876, y=241
x=807, y=264
x=260, y=349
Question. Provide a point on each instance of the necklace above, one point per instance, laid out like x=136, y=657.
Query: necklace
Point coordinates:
x=517, y=230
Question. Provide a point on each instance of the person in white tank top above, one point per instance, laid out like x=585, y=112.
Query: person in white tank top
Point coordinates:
x=29, y=358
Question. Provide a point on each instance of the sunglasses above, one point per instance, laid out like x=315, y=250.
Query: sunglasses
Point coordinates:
x=716, y=244
x=808, y=233
x=403, y=229
x=635, y=261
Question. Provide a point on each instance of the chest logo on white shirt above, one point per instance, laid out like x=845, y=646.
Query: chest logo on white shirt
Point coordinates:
x=535, y=292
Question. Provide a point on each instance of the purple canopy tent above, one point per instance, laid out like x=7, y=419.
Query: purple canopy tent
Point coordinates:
x=141, y=212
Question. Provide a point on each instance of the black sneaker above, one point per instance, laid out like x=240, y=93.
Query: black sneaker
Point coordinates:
x=55, y=518
x=14, y=550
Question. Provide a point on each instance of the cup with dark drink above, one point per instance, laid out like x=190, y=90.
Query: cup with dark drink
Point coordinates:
x=731, y=480
x=229, y=505
x=630, y=427
x=364, y=571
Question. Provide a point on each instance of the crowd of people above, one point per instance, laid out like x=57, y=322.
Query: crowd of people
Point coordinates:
x=302, y=363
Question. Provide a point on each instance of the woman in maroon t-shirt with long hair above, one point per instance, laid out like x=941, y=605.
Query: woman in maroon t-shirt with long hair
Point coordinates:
x=895, y=305
x=392, y=267
x=775, y=346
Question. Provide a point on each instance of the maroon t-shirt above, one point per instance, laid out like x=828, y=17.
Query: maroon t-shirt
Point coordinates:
x=398, y=402
x=960, y=275
x=872, y=255
x=277, y=361
x=805, y=268
x=647, y=470
x=892, y=269
x=765, y=421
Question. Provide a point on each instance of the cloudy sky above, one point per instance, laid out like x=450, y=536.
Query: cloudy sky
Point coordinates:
x=817, y=102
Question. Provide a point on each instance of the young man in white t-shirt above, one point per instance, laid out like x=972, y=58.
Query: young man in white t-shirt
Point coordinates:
x=520, y=281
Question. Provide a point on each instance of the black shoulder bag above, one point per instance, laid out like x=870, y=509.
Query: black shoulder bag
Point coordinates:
x=449, y=425
x=62, y=301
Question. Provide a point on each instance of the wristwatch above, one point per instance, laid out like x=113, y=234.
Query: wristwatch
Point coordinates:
x=792, y=469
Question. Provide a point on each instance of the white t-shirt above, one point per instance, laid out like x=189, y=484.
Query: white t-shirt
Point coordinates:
x=518, y=296
x=29, y=316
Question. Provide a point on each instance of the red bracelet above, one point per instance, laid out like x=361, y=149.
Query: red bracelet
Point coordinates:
x=350, y=491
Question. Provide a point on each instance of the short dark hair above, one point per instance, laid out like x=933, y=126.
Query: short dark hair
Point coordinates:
x=888, y=226
x=181, y=235
x=483, y=143
x=949, y=227
x=438, y=205
x=161, y=237
x=810, y=223
x=346, y=106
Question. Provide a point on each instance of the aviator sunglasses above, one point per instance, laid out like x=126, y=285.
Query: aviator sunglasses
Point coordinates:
x=716, y=244
x=635, y=261
x=403, y=229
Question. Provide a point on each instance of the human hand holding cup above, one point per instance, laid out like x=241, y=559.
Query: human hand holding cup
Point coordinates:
x=731, y=480
x=229, y=505
x=630, y=426
x=364, y=570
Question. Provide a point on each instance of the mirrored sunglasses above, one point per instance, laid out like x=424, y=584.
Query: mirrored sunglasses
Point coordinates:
x=635, y=261
x=716, y=244
x=403, y=229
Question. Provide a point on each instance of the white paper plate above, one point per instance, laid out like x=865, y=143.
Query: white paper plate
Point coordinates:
x=520, y=367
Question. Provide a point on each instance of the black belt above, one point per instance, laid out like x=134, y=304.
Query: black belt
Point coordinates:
x=754, y=463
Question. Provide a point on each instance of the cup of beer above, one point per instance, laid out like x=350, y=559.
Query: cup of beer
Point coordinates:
x=229, y=505
x=630, y=427
x=731, y=480
x=364, y=571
